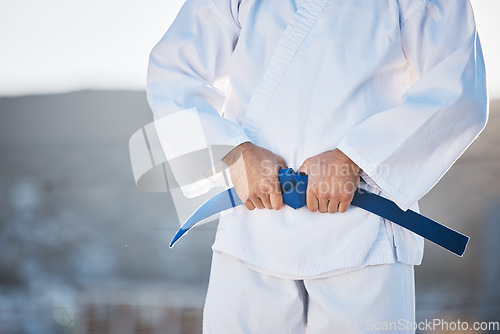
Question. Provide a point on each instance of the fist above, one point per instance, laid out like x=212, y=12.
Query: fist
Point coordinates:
x=333, y=180
x=254, y=173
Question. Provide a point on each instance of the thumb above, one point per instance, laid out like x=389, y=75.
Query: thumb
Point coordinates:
x=303, y=168
x=281, y=164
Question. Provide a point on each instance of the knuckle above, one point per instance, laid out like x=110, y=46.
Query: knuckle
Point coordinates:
x=262, y=194
x=345, y=197
x=335, y=198
x=267, y=182
x=262, y=191
x=323, y=195
x=253, y=198
x=267, y=187
x=252, y=192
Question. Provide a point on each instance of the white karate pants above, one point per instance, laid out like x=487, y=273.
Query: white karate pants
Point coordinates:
x=373, y=299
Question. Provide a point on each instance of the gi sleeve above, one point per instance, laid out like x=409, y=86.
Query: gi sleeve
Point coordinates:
x=405, y=150
x=184, y=68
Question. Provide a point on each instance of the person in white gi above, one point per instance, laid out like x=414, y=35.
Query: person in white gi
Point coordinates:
x=390, y=90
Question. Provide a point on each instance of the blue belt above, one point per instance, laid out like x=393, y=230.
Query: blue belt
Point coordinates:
x=293, y=187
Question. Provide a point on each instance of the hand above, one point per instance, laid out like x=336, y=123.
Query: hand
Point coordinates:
x=254, y=173
x=333, y=179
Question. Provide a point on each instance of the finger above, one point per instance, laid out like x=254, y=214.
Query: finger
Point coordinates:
x=249, y=205
x=312, y=201
x=323, y=205
x=280, y=165
x=256, y=201
x=343, y=206
x=276, y=200
x=333, y=206
x=302, y=169
x=266, y=201
x=275, y=195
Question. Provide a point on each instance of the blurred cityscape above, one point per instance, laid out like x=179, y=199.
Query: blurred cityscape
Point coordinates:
x=82, y=250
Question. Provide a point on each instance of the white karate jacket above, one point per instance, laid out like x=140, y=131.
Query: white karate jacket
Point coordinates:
x=397, y=85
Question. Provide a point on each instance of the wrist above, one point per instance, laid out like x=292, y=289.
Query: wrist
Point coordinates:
x=353, y=166
x=245, y=146
x=236, y=152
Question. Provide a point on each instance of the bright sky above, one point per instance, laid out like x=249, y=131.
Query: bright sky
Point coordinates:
x=61, y=45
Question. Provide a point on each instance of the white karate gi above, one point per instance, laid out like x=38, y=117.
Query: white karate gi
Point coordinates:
x=355, y=302
x=397, y=85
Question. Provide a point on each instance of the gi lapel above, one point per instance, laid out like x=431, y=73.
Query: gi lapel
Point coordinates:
x=288, y=45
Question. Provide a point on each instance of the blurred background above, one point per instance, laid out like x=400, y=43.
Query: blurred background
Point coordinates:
x=83, y=251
